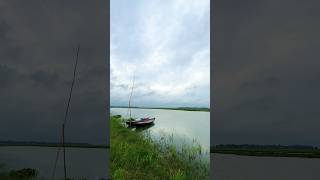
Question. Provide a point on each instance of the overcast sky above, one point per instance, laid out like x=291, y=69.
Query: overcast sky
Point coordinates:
x=38, y=39
x=165, y=43
x=266, y=72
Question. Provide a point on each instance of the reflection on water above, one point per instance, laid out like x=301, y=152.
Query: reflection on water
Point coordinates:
x=184, y=126
x=143, y=128
x=229, y=167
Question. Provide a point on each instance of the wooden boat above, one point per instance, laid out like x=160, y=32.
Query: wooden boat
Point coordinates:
x=140, y=122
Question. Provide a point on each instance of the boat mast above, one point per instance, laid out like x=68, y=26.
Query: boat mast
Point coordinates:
x=131, y=96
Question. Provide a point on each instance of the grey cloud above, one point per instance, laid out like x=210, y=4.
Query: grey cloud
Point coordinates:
x=264, y=83
x=266, y=72
x=45, y=79
x=7, y=76
x=122, y=86
x=38, y=40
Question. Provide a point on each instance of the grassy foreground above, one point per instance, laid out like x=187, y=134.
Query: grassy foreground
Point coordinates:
x=136, y=156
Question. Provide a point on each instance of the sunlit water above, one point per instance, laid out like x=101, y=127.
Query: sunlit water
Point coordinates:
x=234, y=167
x=184, y=126
x=87, y=163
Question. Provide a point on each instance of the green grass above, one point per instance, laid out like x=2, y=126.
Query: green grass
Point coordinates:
x=136, y=156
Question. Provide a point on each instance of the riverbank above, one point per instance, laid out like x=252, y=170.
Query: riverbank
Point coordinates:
x=269, y=151
x=229, y=167
x=136, y=156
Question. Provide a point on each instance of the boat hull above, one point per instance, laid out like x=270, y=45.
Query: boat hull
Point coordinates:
x=141, y=122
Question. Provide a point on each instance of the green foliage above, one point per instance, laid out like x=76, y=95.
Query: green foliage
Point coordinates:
x=22, y=174
x=179, y=175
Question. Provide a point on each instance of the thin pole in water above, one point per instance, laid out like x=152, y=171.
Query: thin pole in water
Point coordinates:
x=64, y=154
x=63, y=124
x=66, y=114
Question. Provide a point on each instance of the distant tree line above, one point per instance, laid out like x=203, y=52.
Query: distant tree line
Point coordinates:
x=254, y=146
x=168, y=108
x=48, y=144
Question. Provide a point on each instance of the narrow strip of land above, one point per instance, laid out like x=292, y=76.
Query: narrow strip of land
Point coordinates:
x=269, y=151
x=51, y=144
x=167, y=108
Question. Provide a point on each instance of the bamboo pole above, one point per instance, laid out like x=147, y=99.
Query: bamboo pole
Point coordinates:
x=130, y=99
x=64, y=154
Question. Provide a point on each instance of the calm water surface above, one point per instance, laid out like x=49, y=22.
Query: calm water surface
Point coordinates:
x=233, y=167
x=184, y=126
x=81, y=162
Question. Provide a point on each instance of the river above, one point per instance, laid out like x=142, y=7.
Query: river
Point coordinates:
x=87, y=163
x=184, y=126
x=234, y=167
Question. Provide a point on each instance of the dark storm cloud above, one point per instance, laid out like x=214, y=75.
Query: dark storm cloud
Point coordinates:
x=266, y=65
x=38, y=39
x=7, y=76
x=47, y=80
